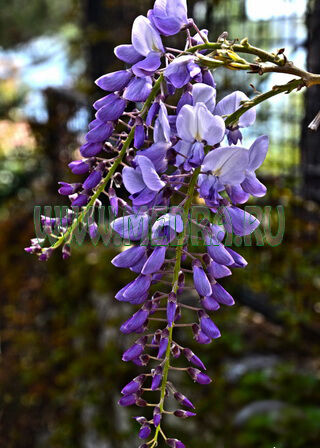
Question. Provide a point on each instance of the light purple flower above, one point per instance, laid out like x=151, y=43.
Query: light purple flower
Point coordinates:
x=238, y=221
x=198, y=124
x=225, y=166
x=110, y=108
x=257, y=155
x=169, y=17
x=132, y=227
x=115, y=81
x=202, y=93
x=166, y=227
x=181, y=70
x=143, y=182
x=146, y=49
x=162, y=130
x=138, y=89
x=231, y=103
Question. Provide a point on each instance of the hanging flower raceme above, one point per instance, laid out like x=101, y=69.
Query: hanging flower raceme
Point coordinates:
x=166, y=152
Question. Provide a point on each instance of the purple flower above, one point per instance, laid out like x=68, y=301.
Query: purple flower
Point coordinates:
x=93, y=180
x=169, y=17
x=198, y=124
x=221, y=295
x=135, y=350
x=138, y=89
x=100, y=133
x=136, y=321
x=146, y=49
x=231, y=103
x=182, y=70
x=210, y=304
x=199, y=335
x=171, y=308
x=110, y=108
x=91, y=149
x=257, y=154
x=200, y=279
x=198, y=376
x=238, y=221
x=239, y=261
x=138, y=287
x=129, y=257
x=144, y=432
x=155, y=261
x=68, y=189
x=157, y=154
x=218, y=270
x=153, y=111
x=157, y=378
x=183, y=400
x=163, y=343
x=134, y=385
x=193, y=358
x=203, y=93
x=175, y=443
x=157, y=416
x=79, y=167
x=217, y=251
x=207, y=326
x=115, y=81
x=80, y=200
x=132, y=227
x=139, y=136
x=225, y=166
x=184, y=414
x=162, y=130
x=166, y=227
x=127, y=400
x=143, y=182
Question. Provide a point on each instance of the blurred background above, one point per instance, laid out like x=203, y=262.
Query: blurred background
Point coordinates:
x=60, y=350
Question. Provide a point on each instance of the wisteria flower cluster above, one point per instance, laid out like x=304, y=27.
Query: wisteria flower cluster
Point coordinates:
x=161, y=133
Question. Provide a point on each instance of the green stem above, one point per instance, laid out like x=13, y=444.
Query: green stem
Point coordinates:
x=177, y=268
x=276, y=90
x=68, y=234
x=265, y=56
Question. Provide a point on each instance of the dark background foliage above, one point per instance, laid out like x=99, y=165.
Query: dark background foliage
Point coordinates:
x=60, y=358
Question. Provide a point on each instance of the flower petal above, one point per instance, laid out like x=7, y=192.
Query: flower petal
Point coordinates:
x=155, y=261
x=132, y=180
x=114, y=81
x=202, y=93
x=258, y=152
x=149, y=174
x=127, y=54
x=138, y=89
x=231, y=103
x=132, y=227
x=145, y=38
x=210, y=128
x=187, y=124
x=112, y=109
x=227, y=163
x=238, y=221
x=147, y=66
